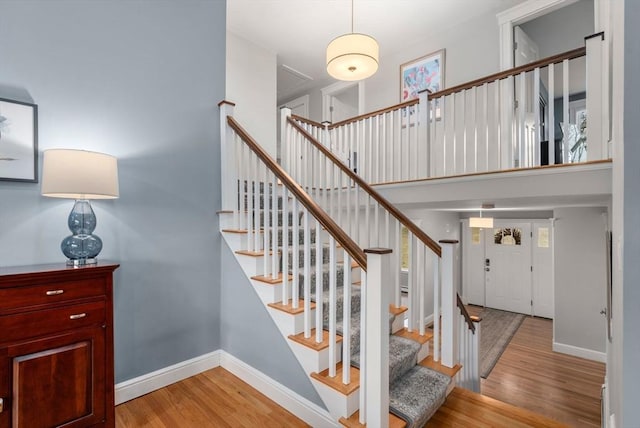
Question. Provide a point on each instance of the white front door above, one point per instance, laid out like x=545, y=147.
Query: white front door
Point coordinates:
x=508, y=273
x=542, y=269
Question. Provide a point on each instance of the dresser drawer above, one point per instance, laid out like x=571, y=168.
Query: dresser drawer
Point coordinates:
x=56, y=292
x=38, y=323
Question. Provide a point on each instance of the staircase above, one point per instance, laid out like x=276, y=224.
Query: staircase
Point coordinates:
x=329, y=297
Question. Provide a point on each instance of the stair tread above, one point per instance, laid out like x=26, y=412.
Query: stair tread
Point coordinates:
x=288, y=307
x=311, y=341
x=397, y=310
x=414, y=335
x=417, y=395
x=336, y=382
x=354, y=421
x=269, y=280
x=437, y=366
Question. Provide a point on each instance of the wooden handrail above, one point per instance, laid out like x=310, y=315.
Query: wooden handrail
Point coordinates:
x=318, y=213
x=357, y=118
x=575, y=53
x=375, y=113
x=419, y=233
x=465, y=313
x=308, y=121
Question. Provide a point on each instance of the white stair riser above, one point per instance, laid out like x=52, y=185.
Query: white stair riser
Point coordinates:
x=287, y=323
x=338, y=404
x=312, y=360
x=268, y=293
x=251, y=265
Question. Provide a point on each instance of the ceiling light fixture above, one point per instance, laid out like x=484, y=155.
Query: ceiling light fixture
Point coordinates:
x=352, y=56
x=482, y=222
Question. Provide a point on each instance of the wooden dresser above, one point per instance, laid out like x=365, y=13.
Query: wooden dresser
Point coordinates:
x=56, y=346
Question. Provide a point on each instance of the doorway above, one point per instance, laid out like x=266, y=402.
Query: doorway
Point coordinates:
x=509, y=266
x=342, y=100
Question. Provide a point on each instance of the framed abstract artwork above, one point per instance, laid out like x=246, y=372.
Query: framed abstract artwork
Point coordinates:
x=18, y=141
x=426, y=72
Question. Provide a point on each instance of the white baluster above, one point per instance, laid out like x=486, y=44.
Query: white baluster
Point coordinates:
x=274, y=227
x=332, y=307
x=284, y=234
x=536, y=114
x=319, y=282
x=307, y=273
x=551, y=122
x=346, y=320
x=295, y=283
x=565, y=108
x=436, y=307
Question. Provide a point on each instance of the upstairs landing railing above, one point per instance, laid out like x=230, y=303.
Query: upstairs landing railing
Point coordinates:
x=372, y=221
x=525, y=117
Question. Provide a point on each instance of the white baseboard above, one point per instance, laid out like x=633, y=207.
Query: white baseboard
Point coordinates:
x=141, y=385
x=309, y=412
x=580, y=352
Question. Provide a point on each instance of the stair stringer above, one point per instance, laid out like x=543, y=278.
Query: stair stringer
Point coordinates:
x=338, y=404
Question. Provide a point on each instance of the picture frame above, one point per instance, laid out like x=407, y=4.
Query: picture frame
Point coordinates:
x=426, y=72
x=18, y=141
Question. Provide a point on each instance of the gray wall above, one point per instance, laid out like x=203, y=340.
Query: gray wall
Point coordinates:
x=580, y=277
x=563, y=29
x=464, y=61
x=249, y=333
x=139, y=80
x=631, y=238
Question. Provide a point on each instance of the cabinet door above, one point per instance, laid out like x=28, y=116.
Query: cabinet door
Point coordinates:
x=58, y=381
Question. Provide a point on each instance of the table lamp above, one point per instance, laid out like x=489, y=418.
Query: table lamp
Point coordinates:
x=81, y=175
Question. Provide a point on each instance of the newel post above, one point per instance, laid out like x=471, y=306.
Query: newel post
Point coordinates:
x=285, y=146
x=228, y=173
x=376, y=326
x=475, y=355
x=449, y=315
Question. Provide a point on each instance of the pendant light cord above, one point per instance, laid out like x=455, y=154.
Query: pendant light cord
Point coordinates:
x=351, y=16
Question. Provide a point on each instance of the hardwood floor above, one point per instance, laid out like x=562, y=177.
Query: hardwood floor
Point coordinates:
x=215, y=398
x=530, y=375
x=464, y=408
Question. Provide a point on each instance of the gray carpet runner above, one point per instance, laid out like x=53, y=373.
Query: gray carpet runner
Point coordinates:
x=416, y=392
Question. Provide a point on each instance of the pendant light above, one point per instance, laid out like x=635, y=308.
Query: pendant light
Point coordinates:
x=352, y=56
x=482, y=222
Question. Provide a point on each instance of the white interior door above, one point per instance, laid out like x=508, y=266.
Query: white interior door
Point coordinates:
x=473, y=242
x=542, y=277
x=508, y=273
x=525, y=49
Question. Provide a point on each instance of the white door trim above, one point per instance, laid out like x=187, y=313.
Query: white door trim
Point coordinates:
x=517, y=15
x=334, y=88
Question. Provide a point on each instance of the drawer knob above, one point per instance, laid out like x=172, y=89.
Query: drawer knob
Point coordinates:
x=54, y=292
x=1, y=405
x=77, y=316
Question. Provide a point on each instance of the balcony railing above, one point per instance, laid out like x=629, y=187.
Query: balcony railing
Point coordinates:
x=530, y=116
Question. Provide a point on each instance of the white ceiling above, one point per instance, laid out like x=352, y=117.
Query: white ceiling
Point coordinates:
x=298, y=31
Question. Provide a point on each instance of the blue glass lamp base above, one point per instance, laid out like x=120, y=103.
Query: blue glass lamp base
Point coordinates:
x=82, y=247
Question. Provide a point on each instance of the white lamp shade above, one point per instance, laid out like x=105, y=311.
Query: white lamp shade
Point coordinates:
x=352, y=57
x=481, y=222
x=79, y=174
